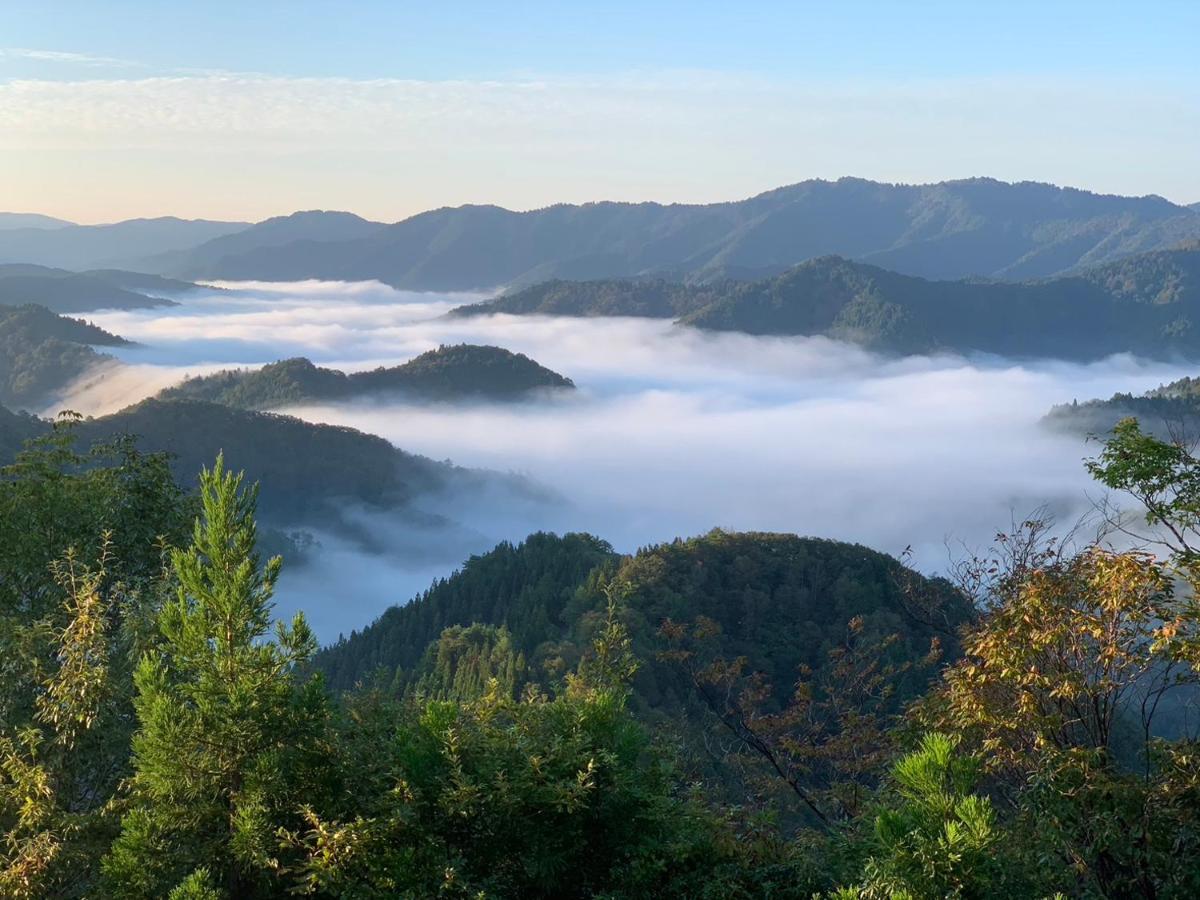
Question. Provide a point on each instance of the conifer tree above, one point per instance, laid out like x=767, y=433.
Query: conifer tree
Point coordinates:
x=226, y=730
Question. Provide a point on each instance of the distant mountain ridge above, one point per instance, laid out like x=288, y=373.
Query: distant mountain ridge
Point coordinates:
x=64, y=291
x=80, y=247
x=208, y=260
x=459, y=372
x=11, y=220
x=954, y=229
x=1147, y=304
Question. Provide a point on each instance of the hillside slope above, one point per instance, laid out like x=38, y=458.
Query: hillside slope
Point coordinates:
x=79, y=247
x=1169, y=411
x=308, y=471
x=64, y=291
x=458, y=372
x=779, y=600
x=209, y=259
x=1147, y=304
x=953, y=229
x=40, y=352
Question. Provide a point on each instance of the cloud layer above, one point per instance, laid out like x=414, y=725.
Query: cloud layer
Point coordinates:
x=673, y=431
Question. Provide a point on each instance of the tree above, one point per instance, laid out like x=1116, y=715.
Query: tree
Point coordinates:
x=1061, y=693
x=831, y=739
x=537, y=796
x=933, y=837
x=82, y=539
x=226, y=731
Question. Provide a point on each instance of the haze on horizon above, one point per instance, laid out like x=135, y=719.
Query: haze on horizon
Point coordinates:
x=243, y=113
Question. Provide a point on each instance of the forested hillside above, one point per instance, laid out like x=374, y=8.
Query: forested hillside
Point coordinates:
x=1148, y=304
x=311, y=473
x=778, y=600
x=159, y=739
x=953, y=229
x=1168, y=410
x=458, y=372
x=41, y=352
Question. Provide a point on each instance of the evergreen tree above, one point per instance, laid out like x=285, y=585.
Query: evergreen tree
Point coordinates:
x=226, y=730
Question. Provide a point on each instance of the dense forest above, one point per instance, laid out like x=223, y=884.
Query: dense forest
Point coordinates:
x=41, y=352
x=1147, y=304
x=449, y=373
x=735, y=715
x=313, y=475
x=766, y=593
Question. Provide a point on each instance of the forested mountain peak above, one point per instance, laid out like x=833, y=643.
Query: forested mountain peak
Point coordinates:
x=774, y=596
x=450, y=372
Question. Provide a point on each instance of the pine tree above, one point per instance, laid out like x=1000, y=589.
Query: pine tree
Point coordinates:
x=226, y=730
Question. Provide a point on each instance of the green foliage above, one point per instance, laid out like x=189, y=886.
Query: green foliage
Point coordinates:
x=81, y=574
x=531, y=797
x=225, y=731
x=531, y=735
x=464, y=663
x=933, y=838
x=533, y=590
x=1162, y=476
x=461, y=371
x=776, y=606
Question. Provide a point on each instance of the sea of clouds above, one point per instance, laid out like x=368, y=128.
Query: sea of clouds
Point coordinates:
x=672, y=431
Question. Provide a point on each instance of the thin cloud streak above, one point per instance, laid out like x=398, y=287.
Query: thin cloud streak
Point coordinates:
x=63, y=56
x=388, y=148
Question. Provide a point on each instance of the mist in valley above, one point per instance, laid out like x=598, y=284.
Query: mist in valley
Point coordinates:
x=671, y=432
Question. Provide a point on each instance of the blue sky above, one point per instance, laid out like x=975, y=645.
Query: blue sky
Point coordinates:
x=122, y=108
x=482, y=40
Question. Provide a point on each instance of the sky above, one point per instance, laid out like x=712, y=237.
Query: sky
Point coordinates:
x=245, y=110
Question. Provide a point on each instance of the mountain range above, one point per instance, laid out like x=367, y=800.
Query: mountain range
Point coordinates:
x=107, y=246
x=1148, y=304
x=12, y=220
x=949, y=230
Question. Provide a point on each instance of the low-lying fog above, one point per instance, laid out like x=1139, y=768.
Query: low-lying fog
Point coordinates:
x=672, y=432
